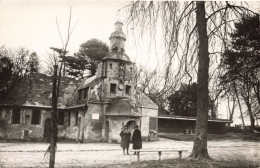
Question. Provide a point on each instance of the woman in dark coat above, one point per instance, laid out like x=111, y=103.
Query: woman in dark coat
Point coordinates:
x=137, y=139
x=125, y=139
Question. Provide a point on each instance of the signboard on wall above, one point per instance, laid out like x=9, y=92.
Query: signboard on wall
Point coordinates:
x=95, y=116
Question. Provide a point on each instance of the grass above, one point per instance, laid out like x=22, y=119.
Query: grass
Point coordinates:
x=212, y=137
x=185, y=163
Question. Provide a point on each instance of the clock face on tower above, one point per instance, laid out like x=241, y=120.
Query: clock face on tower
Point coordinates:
x=121, y=86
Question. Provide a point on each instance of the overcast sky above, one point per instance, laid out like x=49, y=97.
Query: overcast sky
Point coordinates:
x=33, y=24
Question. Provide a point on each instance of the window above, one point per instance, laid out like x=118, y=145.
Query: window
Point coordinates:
x=16, y=116
x=112, y=88
x=36, y=117
x=60, y=118
x=76, y=118
x=131, y=69
x=110, y=65
x=79, y=94
x=127, y=89
x=86, y=93
x=69, y=118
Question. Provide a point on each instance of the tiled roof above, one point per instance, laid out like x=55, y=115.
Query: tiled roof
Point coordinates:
x=118, y=34
x=36, y=90
x=87, y=82
x=122, y=107
x=117, y=56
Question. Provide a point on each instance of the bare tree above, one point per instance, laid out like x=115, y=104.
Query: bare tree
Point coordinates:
x=191, y=31
x=14, y=65
x=58, y=69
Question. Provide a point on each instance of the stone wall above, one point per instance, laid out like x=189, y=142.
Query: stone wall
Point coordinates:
x=93, y=122
x=116, y=125
x=73, y=129
x=148, y=110
x=119, y=93
x=16, y=131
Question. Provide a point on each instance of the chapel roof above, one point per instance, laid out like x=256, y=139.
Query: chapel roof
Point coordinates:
x=36, y=91
x=120, y=107
x=117, y=56
x=89, y=81
x=118, y=31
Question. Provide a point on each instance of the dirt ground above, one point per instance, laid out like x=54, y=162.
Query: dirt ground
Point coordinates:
x=93, y=154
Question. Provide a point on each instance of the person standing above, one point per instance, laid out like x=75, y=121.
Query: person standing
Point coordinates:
x=137, y=139
x=125, y=139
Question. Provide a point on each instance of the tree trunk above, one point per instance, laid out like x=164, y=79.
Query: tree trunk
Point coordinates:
x=231, y=111
x=252, y=119
x=200, y=150
x=240, y=108
x=54, y=128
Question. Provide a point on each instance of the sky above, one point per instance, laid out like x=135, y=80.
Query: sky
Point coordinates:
x=32, y=24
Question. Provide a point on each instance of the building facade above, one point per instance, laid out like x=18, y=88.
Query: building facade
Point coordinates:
x=95, y=110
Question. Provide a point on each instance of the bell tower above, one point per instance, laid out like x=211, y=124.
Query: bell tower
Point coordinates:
x=117, y=38
x=116, y=69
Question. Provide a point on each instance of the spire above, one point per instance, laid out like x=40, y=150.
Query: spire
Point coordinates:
x=117, y=38
x=118, y=26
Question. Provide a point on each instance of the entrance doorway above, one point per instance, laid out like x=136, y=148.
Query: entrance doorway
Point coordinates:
x=79, y=125
x=47, y=130
x=131, y=126
x=107, y=131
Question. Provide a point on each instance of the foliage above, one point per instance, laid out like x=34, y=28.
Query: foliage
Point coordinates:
x=15, y=64
x=242, y=64
x=184, y=101
x=76, y=65
x=34, y=65
x=87, y=58
x=5, y=69
x=191, y=31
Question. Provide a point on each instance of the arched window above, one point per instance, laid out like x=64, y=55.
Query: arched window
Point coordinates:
x=131, y=69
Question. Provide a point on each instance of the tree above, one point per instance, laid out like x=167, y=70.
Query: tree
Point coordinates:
x=189, y=30
x=58, y=67
x=241, y=62
x=15, y=64
x=152, y=83
x=76, y=65
x=34, y=65
x=89, y=55
x=184, y=101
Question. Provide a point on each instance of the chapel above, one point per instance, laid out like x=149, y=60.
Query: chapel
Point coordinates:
x=93, y=110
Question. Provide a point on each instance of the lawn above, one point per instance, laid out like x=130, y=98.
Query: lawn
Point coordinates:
x=212, y=137
x=185, y=163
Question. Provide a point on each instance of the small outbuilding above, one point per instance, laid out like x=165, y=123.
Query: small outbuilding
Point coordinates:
x=182, y=124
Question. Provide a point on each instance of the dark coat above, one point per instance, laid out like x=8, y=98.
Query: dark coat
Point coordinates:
x=125, y=139
x=137, y=139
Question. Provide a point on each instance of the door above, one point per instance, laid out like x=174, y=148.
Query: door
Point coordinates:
x=25, y=134
x=79, y=125
x=153, y=124
x=47, y=130
x=107, y=131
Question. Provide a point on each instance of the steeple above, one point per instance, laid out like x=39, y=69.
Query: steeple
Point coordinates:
x=117, y=38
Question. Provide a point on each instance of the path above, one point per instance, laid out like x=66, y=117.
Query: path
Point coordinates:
x=71, y=154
